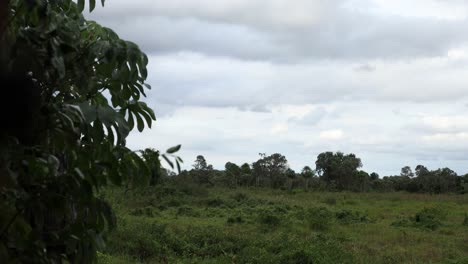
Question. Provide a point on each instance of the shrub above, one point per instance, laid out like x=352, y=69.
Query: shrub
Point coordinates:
x=215, y=202
x=239, y=196
x=330, y=201
x=141, y=240
x=269, y=218
x=147, y=211
x=193, y=189
x=319, y=218
x=235, y=220
x=427, y=218
x=346, y=216
x=187, y=211
x=465, y=220
x=430, y=218
x=285, y=248
x=173, y=203
x=211, y=241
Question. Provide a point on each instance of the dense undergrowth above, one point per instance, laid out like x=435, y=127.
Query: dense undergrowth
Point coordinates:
x=193, y=224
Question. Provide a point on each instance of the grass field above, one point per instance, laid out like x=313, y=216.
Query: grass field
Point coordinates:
x=192, y=224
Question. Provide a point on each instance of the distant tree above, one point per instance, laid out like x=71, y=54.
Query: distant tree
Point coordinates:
x=246, y=174
x=291, y=174
x=440, y=181
x=337, y=168
x=272, y=168
x=259, y=168
x=421, y=170
x=374, y=176
x=245, y=168
x=233, y=172
x=406, y=172
x=151, y=158
x=361, y=181
x=307, y=173
x=276, y=167
x=202, y=170
x=200, y=163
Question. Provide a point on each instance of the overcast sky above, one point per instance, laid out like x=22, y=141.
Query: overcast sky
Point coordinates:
x=386, y=80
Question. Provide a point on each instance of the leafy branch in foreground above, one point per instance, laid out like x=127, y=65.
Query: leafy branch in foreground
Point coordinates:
x=73, y=91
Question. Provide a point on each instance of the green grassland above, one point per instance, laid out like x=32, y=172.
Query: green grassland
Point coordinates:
x=193, y=224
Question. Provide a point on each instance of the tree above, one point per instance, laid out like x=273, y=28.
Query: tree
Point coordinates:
x=307, y=173
x=374, y=176
x=291, y=174
x=361, y=181
x=406, y=172
x=200, y=163
x=152, y=161
x=245, y=168
x=337, y=168
x=259, y=168
x=72, y=92
x=202, y=170
x=272, y=168
x=438, y=181
x=246, y=174
x=233, y=171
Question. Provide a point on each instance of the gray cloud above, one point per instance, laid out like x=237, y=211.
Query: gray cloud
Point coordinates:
x=263, y=30
x=383, y=79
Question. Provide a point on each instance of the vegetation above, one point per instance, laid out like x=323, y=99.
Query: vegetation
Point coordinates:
x=333, y=172
x=74, y=91
x=71, y=93
x=263, y=225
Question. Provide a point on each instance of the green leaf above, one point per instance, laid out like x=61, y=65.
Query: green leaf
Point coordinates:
x=131, y=121
x=140, y=124
x=80, y=5
x=168, y=161
x=173, y=149
x=147, y=118
x=178, y=166
x=92, y=5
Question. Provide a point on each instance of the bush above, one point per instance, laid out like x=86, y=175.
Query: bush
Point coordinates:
x=173, y=203
x=187, y=211
x=147, y=211
x=215, y=202
x=193, y=189
x=346, y=216
x=210, y=241
x=319, y=218
x=269, y=218
x=239, y=196
x=430, y=218
x=330, y=201
x=235, y=220
x=284, y=248
x=141, y=240
x=427, y=218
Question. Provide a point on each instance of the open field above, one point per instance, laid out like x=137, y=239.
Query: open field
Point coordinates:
x=192, y=224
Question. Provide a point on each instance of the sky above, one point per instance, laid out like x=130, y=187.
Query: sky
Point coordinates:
x=385, y=80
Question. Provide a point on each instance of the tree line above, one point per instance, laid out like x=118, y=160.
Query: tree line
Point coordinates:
x=332, y=171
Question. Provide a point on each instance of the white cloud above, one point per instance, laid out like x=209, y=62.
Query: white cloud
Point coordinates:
x=335, y=134
x=385, y=80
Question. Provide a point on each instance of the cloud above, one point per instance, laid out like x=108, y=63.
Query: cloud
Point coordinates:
x=335, y=134
x=385, y=80
x=190, y=79
x=283, y=31
x=365, y=68
x=384, y=141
